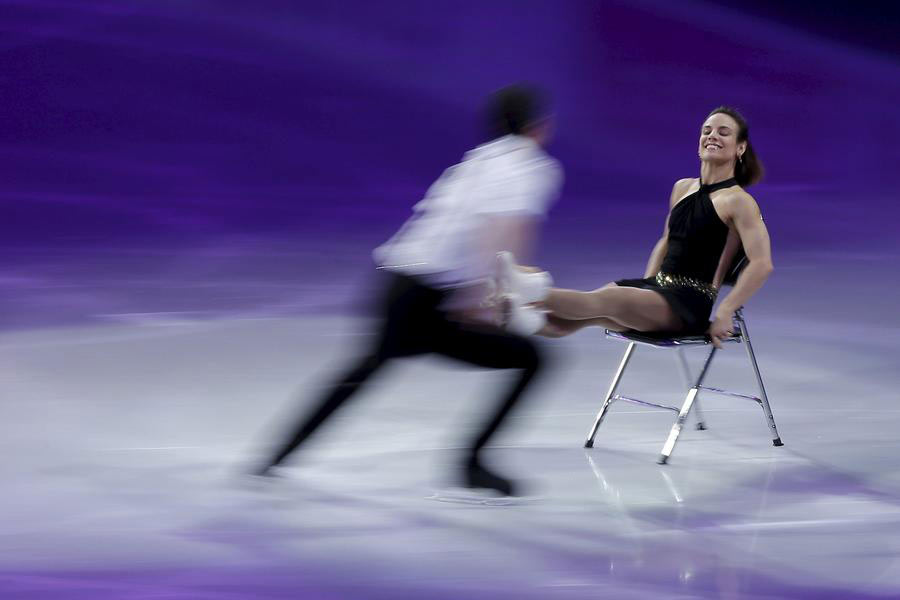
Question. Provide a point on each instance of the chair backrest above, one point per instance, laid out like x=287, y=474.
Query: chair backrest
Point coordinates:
x=737, y=265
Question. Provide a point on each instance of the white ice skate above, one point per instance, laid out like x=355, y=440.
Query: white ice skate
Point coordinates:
x=529, y=287
x=516, y=317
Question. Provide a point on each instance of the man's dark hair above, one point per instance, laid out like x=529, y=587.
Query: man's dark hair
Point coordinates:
x=514, y=108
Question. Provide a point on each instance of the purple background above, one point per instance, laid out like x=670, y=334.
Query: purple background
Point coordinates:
x=199, y=160
x=213, y=158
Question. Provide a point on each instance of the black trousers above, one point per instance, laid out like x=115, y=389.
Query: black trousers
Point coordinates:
x=414, y=324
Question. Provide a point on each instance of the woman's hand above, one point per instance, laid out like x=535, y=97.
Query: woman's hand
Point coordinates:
x=721, y=328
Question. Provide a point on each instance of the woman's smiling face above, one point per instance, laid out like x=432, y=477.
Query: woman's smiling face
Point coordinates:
x=718, y=139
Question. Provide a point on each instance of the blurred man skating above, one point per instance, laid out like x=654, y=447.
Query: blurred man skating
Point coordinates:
x=438, y=271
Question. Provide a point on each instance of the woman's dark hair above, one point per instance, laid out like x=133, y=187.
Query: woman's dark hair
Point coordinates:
x=512, y=109
x=749, y=169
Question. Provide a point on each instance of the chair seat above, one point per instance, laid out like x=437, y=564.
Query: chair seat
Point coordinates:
x=664, y=339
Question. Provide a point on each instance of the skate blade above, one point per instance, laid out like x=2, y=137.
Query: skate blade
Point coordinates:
x=477, y=497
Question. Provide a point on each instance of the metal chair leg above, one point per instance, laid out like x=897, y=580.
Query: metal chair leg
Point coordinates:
x=764, y=400
x=589, y=443
x=688, y=382
x=685, y=411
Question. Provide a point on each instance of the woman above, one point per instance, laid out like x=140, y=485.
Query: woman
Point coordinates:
x=709, y=219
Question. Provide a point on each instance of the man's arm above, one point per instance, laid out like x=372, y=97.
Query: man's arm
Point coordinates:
x=514, y=205
x=517, y=199
x=516, y=233
x=745, y=216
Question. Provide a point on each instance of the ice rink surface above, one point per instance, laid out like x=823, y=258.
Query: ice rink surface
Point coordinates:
x=125, y=437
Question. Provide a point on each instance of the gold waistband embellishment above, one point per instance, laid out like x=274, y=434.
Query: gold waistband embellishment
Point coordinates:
x=669, y=280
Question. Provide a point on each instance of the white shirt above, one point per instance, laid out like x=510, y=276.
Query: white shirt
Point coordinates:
x=510, y=175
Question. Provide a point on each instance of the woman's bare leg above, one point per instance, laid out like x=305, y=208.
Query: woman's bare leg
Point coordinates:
x=633, y=308
x=557, y=327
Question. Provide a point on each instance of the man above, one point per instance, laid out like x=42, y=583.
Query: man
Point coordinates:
x=439, y=266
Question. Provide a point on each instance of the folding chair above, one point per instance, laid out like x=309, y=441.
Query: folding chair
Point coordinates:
x=695, y=384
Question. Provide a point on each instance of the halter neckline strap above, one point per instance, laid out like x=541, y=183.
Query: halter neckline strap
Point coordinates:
x=710, y=188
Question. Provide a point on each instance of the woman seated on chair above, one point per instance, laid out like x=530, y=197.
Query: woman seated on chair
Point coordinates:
x=709, y=219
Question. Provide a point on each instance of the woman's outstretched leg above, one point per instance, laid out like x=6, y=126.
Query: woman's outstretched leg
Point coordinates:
x=633, y=308
x=557, y=327
x=612, y=306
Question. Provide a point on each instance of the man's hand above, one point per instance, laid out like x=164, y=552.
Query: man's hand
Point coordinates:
x=721, y=328
x=525, y=269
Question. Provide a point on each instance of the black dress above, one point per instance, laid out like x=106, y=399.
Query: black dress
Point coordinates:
x=696, y=239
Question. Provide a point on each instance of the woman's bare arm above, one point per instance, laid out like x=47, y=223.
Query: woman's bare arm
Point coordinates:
x=744, y=214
